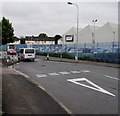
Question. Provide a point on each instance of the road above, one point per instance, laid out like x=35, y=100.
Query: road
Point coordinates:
x=81, y=88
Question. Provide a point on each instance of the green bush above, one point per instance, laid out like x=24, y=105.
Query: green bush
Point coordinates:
x=64, y=55
x=85, y=58
x=2, y=50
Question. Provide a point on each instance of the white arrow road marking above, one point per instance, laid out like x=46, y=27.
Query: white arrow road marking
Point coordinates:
x=53, y=74
x=96, y=87
x=41, y=75
x=111, y=77
x=64, y=73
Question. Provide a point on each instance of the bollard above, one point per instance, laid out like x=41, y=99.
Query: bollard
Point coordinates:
x=48, y=57
x=8, y=60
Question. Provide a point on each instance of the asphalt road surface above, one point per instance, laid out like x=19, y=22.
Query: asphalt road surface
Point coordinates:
x=82, y=88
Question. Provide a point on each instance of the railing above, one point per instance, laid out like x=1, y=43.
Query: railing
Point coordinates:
x=106, y=52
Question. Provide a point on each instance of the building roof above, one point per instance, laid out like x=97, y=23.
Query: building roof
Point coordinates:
x=36, y=38
x=114, y=26
x=72, y=31
x=90, y=28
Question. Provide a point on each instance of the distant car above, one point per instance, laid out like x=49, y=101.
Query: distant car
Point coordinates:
x=106, y=51
x=71, y=51
x=86, y=50
x=11, y=52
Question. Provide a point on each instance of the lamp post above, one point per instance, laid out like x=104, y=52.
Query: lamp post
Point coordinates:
x=113, y=41
x=76, y=57
x=93, y=41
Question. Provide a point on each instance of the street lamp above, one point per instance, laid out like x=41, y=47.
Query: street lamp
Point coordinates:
x=76, y=57
x=113, y=41
x=93, y=41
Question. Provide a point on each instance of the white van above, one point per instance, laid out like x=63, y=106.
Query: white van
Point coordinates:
x=27, y=53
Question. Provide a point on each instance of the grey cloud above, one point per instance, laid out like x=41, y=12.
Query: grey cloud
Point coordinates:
x=29, y=18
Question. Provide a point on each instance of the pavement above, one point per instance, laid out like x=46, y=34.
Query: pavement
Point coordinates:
x=20, y=96
x=0, y=88
x=115, y=65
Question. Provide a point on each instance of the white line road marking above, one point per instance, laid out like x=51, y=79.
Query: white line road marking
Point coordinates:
x=64, y=73
x=111, y=77
x=96, y=87
x=84, y=71
x=106, y=76
x=75, y=72
x=41, y=75
x=53, y=74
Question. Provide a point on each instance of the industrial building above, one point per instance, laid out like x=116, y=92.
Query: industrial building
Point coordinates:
x=100, y=34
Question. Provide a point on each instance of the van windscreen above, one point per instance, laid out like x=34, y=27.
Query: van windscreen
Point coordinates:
x=27, y=51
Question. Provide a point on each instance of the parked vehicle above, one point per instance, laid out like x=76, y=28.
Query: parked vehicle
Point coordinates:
x=71, y=50
x=11, y=52
x=86, y=50
x=27, y=53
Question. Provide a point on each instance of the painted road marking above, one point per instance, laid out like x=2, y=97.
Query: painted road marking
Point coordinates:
x=75, y=72
x=53, y=74
x=64, y=73
x=96, y=87
x=111, y=77
x=41, y=75
x=86, y=71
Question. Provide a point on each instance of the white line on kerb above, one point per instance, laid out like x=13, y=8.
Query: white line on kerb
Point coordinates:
x=111, y=77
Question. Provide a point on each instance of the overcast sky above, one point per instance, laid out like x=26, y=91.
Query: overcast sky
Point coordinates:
x=33, y=18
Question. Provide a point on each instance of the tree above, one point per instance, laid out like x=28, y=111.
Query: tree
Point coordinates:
x=57, y=37
x=42, y=35
x=22, y=40
x=7, y=31
x=0, y=32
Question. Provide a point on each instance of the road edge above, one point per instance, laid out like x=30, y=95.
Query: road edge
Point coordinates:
x=48, y=93
x=114, y=65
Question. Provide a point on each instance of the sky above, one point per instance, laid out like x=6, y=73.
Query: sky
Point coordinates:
x=33, y=18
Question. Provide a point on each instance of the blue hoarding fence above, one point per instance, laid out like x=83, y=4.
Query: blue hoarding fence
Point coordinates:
x=107, y=52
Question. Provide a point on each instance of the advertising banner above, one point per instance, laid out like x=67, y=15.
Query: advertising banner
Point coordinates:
x=69, y=38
